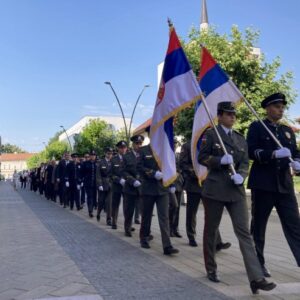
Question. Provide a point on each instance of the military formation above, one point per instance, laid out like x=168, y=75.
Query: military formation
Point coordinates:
x=134, y=177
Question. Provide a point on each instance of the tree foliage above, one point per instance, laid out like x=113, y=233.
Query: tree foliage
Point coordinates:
x=56, y=149
x=9, y=148
x=254, y=76
x=96, y=136
x=36, y=160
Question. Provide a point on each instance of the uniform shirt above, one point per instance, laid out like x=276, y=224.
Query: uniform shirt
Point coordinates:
x=268, y=173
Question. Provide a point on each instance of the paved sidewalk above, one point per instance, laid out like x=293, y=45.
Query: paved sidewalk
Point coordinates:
x=48, y=251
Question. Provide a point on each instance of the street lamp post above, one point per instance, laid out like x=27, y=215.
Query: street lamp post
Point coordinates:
x=125, y=125
x=135, y=105
x=127, y=132
x=67, y=136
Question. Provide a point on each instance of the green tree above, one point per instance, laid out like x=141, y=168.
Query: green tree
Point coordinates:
x=9, y=148
x=254, y=76
x=36, y=160
x=56, y=149
x=96, y=135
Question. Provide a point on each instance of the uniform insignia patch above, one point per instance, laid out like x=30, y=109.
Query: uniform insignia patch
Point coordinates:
x=287, y=134
x=218, y=146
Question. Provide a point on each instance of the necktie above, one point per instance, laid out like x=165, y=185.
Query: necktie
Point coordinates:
x=229, y=133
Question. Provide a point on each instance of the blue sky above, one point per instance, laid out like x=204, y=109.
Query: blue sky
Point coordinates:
x=56, y=54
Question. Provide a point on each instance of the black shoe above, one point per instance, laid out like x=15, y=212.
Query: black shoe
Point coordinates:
x=113, y=226
x=128, y=234
x=132, y=229
x=213, y=276
x=223, y=246
x=177, y=234
x=170, y=250
x=145, y=245
x=193, y=243
x=91, y=215
x=261, y=285
x=172, y=234
x=266, y=272
x=108, y=222
x=98, y=218
x=149, y=237
x=137, y=221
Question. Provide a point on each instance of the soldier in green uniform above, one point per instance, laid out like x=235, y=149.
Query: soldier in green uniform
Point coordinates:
x=153, y=192
x=224, y=188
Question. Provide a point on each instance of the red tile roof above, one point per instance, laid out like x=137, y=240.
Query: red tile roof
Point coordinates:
x=141, y=129
x=15, y=156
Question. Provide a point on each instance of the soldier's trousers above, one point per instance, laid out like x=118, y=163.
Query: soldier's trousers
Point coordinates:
x=104, y=203
x=74, y=197
x=162, y=205
x=174, y=209
x=115, y=204
x=66, y=196
x=287, y=208
x=238, y=213
x=193, y=200
x=90, y=198
x=137, y=209
x=82, y=195
x=61, y=192
x=129, y=204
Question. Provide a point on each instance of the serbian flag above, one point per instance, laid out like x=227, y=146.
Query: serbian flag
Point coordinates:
x=178, y=89
x=216, y=87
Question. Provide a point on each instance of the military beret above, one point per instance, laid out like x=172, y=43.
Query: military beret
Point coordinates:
x=108, y=149
x=226, y=106
x=137, y=138
x=274, y=98
x=74, y=155
x=93, y=152
x=121, y=144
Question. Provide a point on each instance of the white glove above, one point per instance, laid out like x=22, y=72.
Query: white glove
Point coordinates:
x=58, y=180
x=81, y=184
x=282, y=152
x=78, y=187
x=67, y=184
x=122, y=181
x=237, y=179
x=101, y=188
x=295, y=165
x=137, y=184
x=158, y=175
x=172, y=189
x=227, y=159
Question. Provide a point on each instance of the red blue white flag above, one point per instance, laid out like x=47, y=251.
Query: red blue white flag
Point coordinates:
x=216, y=87
x=178, y=89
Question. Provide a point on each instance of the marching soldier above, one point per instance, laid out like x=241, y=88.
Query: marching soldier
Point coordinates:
x=153, y=192
x=104, y=185
x=60, y=175
x=73, y=180
x=193, y=191
x=222, y=188
x=270, y=177
x=132, y=184
x=117, y=181
x=89, y=181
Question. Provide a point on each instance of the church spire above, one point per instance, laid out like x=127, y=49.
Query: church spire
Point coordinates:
x=204, y=16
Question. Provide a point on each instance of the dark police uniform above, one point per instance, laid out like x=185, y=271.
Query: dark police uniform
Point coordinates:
x=89, y=181
x=117, y=188
x=73, y=176
x=104, y=196
x=131, y=193
x=220, y=191
x=64, y=192
x=153, y=192
x=271, y=182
